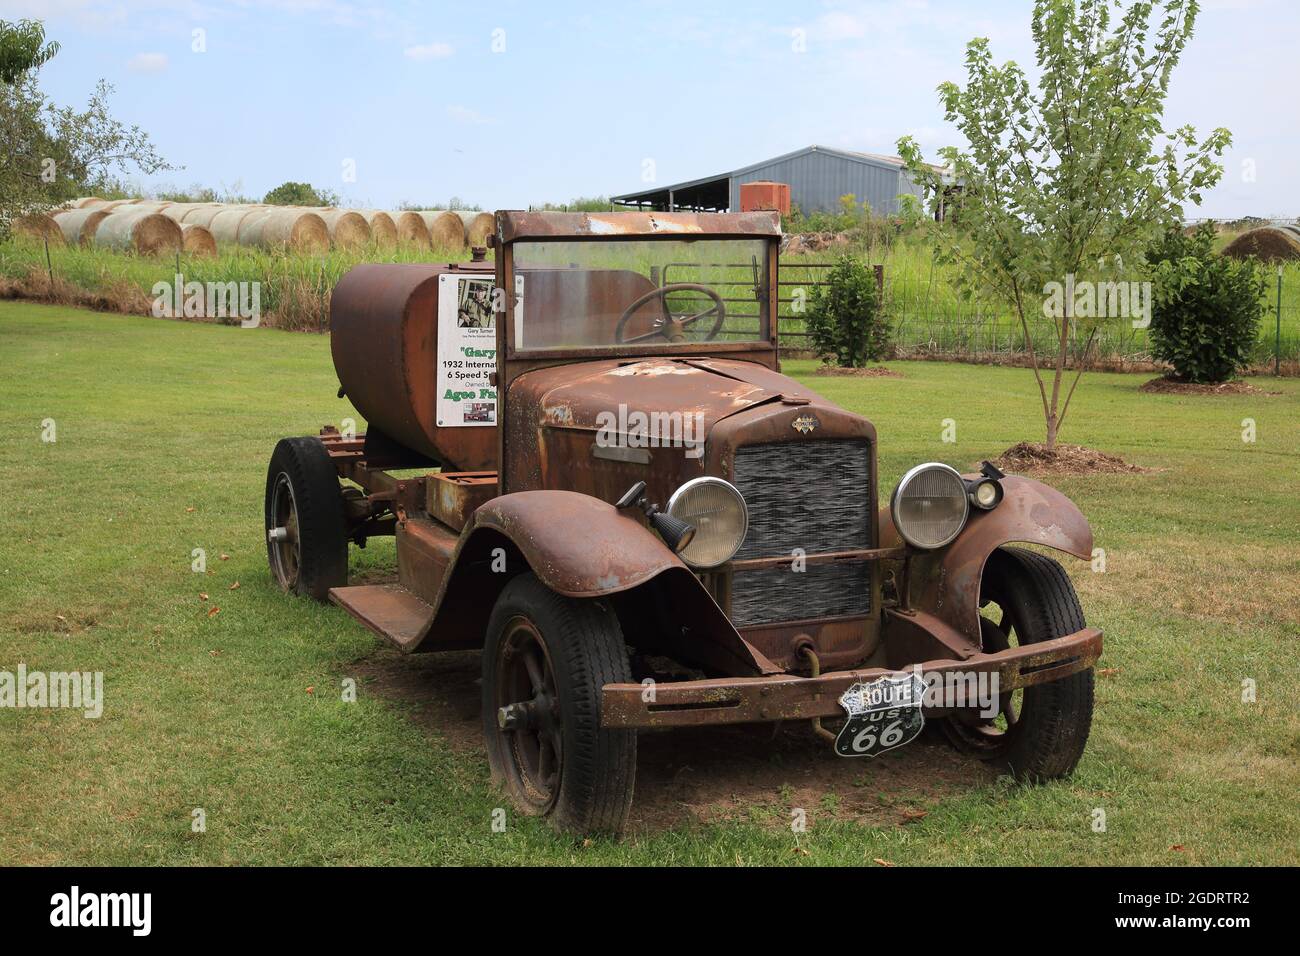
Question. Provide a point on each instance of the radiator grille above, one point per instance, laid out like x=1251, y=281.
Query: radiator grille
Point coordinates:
x=814, y=495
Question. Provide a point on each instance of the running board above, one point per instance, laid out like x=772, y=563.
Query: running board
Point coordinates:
x=389, y=610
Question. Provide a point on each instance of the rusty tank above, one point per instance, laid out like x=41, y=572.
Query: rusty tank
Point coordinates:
x=384, y=341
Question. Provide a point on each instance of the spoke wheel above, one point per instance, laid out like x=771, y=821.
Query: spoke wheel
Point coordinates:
x=283, y=541
x=528, y=714
x=1039, y=732
x=306, y=527
x=546, y=659
x=983, y=734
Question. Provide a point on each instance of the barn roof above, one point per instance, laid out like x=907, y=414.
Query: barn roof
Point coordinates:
x=714, y=192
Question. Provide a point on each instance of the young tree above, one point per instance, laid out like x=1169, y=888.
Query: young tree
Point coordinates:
x=53, y=153
x=1071, y=182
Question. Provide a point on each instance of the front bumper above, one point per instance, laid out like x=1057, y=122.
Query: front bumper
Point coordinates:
x=744, y=700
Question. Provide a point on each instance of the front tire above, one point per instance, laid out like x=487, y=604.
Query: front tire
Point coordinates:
x=1039, y=733
x=545, y=661
x=306, y=528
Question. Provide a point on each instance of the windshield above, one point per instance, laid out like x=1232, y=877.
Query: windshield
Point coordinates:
x=626, y=293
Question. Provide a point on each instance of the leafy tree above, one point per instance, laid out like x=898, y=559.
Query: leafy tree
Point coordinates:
x=1074, y=179
x=23, y=48
x=55, y=153
x=1206, y=307
x=845, y=324
x=300, y=194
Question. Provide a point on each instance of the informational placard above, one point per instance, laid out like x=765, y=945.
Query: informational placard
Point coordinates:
x=467, y=351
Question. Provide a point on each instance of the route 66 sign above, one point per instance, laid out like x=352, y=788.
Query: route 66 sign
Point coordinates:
x=882, y=714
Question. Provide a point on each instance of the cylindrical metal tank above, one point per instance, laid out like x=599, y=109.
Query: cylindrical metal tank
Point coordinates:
x=384, y=339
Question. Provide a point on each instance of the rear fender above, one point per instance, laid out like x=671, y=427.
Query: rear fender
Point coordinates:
x=946, y=583
x=581, y=547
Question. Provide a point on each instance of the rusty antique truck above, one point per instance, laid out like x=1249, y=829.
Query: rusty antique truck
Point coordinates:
x=597, y=474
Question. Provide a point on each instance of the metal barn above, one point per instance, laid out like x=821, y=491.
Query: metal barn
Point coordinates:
x=818, y=176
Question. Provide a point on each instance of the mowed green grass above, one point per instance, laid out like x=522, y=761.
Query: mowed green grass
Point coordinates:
x=163, y=432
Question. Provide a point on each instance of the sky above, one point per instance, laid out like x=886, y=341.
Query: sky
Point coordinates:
x=507, y=104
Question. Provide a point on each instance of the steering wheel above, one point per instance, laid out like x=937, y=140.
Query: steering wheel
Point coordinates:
x=670, y=327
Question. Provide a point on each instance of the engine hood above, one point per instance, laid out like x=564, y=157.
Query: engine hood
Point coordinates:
x=592, y=427
x=597, y=395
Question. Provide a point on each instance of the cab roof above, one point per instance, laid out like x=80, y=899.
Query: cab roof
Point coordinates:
x=514, y=225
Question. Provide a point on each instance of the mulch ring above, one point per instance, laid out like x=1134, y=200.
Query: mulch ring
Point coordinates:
x=871, y=371
x=1031, y=458
x=1168, y=385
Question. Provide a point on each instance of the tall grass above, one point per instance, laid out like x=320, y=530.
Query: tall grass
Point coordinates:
x=928, y=314
x=295, y=288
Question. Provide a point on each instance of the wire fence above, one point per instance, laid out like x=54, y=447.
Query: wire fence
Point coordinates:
x=927, y=318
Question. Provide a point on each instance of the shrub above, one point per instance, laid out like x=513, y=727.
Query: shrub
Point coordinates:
x=844, y=320
x=300, y=194
x=1205, y=308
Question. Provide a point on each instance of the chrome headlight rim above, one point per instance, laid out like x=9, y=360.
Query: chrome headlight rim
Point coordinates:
x=676, y=498
x=910, y=475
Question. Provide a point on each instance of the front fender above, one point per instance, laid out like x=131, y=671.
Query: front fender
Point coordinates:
x=577, y=545
x=946, y=583
x=581, y=547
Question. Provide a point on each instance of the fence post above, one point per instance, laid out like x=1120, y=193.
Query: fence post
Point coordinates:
x=1277, y=341
x=49, y=266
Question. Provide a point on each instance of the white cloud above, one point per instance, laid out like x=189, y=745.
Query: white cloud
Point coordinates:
x=429, y=51
x=462, y=114
x=148, y=63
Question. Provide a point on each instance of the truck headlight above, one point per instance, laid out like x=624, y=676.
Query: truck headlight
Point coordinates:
x=930, y=506
x=718, y=513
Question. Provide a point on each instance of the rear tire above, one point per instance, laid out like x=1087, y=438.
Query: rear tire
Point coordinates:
x=1050, y=725
x=545, y=661
x=306, y=528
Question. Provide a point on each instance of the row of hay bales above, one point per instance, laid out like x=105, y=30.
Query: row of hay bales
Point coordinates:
x=155, y=227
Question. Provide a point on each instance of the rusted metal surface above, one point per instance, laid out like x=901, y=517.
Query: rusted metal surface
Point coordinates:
x=579, y=546
x=454, y=496
x=391, y=611
x=383, y=337
x=424, y=556
x=786, y=697
x=535, y=531
x=513, y=226
x=947, y=582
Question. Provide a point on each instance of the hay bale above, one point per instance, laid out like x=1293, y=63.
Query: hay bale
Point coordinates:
x=177, y=211
x=382, y=228
x=478, y=226
x=89, y=202
x=203, y=215
x=224, y=226
x=411, y=229
x=299, y=229
x=197, y=240
x=347, y=229
x=249, y=232
x=142, y=231
x=39, y=226
x=446, y=229
x=1268, y=244
x=78, y=225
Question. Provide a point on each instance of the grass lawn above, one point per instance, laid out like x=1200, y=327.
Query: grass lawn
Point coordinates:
x=163, y=431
